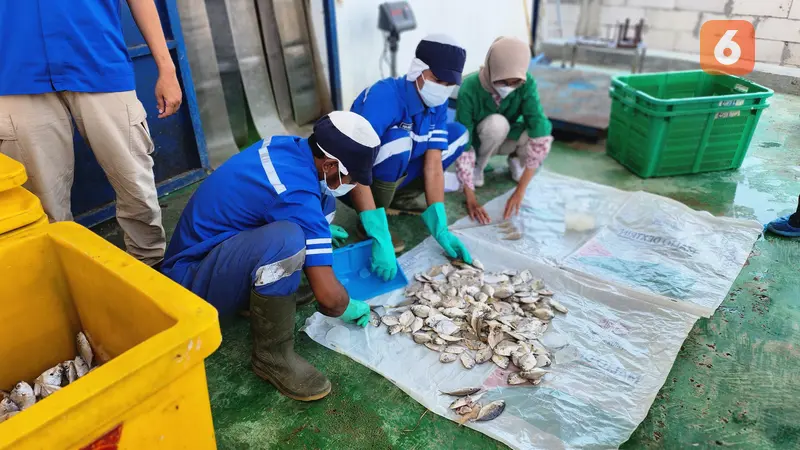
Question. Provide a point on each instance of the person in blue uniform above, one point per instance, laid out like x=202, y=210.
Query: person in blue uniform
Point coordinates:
x=65, y=63
x=259, y=219
x=409, y=113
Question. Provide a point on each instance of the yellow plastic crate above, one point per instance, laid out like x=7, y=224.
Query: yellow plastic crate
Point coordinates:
x=19, y=232
x=19, y=208
x=151, y=393
x=12, y=173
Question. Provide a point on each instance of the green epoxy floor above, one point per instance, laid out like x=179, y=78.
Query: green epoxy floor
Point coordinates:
x=736, y=381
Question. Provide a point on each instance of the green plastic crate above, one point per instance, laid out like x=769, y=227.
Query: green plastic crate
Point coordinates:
x=678, y=123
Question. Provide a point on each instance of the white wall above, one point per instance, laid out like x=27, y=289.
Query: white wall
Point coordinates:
x=675, y=24
x=472, y=23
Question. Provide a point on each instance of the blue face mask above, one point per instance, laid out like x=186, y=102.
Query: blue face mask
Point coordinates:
x=343, y=188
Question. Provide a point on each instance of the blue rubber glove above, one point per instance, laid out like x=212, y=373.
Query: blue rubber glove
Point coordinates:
x=357, y=312
x=338, y=235
x=435, y=219
x=384, y=262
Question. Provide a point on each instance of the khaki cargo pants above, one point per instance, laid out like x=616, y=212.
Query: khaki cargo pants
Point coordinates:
x=36, y=130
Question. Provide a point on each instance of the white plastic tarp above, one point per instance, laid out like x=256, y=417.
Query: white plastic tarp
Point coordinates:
x=650, y=243
x=627, y=321
x=612, y=353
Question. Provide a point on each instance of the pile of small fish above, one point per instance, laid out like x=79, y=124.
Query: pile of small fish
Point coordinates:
x=464, y=313
x=23, y=396
x=467, y=406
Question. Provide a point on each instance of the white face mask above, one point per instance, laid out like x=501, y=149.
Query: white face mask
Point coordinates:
x=504, y=91
x=343, y=188
x=434, y=94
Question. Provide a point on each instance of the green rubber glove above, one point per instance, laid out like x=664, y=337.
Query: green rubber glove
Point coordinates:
x=357, y=312
x=384, y=262
x=338, y=235
x=435, y=219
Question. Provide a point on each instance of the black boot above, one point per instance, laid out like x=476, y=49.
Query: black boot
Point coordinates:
x=274, y=359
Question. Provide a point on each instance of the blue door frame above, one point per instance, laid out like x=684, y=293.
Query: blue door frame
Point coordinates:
x=180, y=150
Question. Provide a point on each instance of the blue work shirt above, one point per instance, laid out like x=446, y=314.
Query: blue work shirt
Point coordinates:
x=63, y=45
x=395, y=103
x=274, y=179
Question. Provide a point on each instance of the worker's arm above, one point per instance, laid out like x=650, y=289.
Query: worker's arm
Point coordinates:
x=362, y=198
x=168, y=90
x=434, y=177
x=465, y=164
x=535, y=153
x=331, y=295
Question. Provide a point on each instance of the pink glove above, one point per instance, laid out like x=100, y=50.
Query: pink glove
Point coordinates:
x=537, y=151
x=465, y=169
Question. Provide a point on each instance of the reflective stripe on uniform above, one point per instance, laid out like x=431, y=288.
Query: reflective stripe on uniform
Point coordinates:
x=330, y=217
x=318, y=241
x=319, y=251
x=395, y=147
x=269, y=168
x=270, y=273
x=453, y=147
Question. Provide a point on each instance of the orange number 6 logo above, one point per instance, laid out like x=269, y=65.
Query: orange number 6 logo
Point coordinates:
x=728, y=46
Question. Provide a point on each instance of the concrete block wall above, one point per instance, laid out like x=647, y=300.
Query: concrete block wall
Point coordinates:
x=674, y=25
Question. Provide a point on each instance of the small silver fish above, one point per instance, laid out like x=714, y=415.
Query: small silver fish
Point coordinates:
x=558, y=306
x=533, y=374
x=501, y=361
x=506, y=348
x=69, y=371
x=8, y=409
x=468, y=400
x=464, y=410
x=22, y=395
x=81, y=368
x=455, y=349
x=422, y=311
x=461, y=392
x=543, y=313
x=406, y=319
x=434, y=347
x=477, y=264
x=84, y=349
x=394, y=329
x=454, y=313
x=447, y=338
x=374, y=319
x=514, y=379
x=513, y=236
x=421, y=338
x=390, y=320
x=447, y=357
x=417, y=324
x=491, y=411
x=542, y=360
x=527, y=362
x=483, y=355
x=467, y=360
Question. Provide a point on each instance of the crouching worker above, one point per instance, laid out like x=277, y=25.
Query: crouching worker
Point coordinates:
x=256, y=221
x=500, y=107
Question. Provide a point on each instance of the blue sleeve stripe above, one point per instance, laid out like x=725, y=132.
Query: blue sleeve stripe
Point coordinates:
x=319, y=260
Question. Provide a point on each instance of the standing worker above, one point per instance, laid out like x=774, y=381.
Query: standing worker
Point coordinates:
x=65, y=61
x=409, y=113
x=256, y=221
x=500, y=107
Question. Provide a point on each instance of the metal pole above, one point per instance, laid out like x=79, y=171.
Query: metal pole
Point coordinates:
x=332, y=42
x=535, y=20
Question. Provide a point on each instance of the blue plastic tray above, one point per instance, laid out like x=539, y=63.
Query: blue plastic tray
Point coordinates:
x=351, y=266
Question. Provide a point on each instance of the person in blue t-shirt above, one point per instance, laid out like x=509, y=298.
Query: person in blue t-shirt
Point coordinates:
x=409, y=113
x=64, y=62
x=259, y=219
